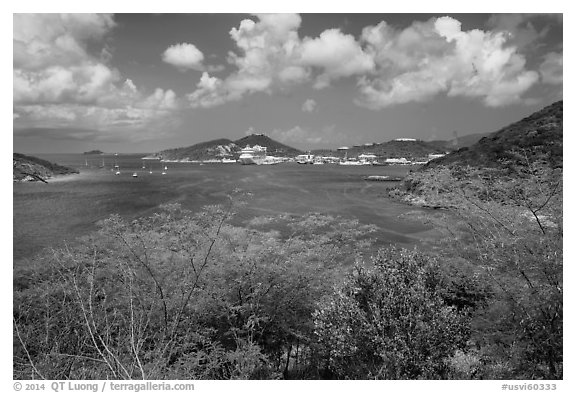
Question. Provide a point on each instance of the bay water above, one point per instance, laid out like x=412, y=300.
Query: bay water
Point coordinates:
x=68, y=207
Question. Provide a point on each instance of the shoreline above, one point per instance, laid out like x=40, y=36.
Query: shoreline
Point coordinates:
x=57, y=178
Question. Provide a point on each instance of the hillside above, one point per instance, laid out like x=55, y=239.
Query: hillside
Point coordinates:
x=411, y=150
x=225, y=148
x=28, y=168
x=274, y=148
x=462, y=141
x=525, y=152
x=536, y=137
x=217, y=148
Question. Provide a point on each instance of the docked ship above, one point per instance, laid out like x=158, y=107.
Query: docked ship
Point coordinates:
x=305, y=159
x=252, y=155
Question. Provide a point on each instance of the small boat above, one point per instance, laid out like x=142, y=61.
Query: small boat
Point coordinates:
x=165, y=168
x=117, y=172
x=134, y=174
x=163, y=172
x=150, y=172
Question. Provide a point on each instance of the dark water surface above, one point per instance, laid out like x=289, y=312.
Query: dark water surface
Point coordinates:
x=45, y=215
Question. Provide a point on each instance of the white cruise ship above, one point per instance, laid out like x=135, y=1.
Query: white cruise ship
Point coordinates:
x=252, y=155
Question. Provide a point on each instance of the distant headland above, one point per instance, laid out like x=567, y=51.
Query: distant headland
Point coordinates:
x=29, y=168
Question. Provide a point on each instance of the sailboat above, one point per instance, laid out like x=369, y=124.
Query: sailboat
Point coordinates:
x=165, y=169
x=103, y=165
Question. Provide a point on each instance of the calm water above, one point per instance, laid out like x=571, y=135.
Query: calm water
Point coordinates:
x=45, y=215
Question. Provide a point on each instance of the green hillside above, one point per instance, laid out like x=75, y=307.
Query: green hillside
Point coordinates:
x=537, y=137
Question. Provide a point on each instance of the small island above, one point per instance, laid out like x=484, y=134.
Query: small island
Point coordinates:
x=94, y=152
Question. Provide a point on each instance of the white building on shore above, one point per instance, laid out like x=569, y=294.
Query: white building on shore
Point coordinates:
x=397, y=161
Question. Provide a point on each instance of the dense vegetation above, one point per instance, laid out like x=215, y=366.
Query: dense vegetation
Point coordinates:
x=187, y=295
x=539, y=136
x=501, y=209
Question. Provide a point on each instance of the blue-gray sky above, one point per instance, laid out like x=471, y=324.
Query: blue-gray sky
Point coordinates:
x=146, y=82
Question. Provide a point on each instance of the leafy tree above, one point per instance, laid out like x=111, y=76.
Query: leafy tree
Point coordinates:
x=180, y=294
x=508, y=223
x=390, y=322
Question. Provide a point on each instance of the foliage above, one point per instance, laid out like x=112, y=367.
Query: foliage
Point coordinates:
x=508, y=223
x=539, y=134
x=390, y=322
x=180, y=295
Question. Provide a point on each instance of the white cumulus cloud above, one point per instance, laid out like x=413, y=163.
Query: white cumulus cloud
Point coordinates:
x=336, y=54
x=271, y=56
x=59, y=82
x=267, y=59
x=391, y=65
x=433, y=57
x=184, y=56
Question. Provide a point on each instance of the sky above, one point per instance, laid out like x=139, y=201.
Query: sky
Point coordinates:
x=147, y=82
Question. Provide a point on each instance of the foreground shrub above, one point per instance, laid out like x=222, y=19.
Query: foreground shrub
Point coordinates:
x=390, y=322
x=178, y=295
x=508, y=225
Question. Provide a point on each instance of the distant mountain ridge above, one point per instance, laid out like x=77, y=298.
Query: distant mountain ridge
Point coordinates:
x=397, y=148
x=29, y=168
x=412, y=150
x=225, y=148
x=536, y=137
